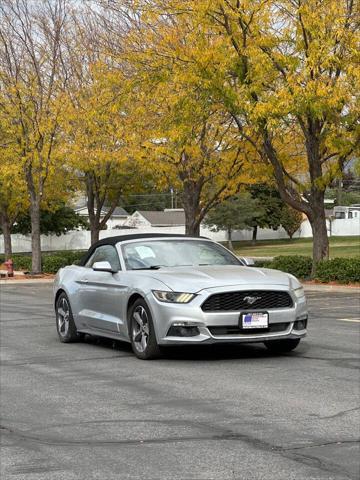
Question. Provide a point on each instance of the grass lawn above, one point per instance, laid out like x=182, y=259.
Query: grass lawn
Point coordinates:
x=339, y=247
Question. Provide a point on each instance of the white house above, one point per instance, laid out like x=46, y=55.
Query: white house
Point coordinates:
x=117, y=219
x=352, y=211
x=167, y=218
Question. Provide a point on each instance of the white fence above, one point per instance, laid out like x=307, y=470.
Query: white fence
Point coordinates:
x=80, y=240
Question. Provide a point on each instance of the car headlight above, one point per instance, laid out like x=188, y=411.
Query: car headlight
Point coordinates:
x=299, y=292
x=173, y=297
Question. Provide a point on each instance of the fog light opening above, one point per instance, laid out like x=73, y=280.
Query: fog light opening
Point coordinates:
x=178, y=330
x=300, y=324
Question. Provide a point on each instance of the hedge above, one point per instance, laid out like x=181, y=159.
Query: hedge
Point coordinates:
x=297, y=265
x=341, y=270
x=51, y=262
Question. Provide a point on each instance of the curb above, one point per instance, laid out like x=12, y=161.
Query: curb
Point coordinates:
x=331, y=288
x=26, y=282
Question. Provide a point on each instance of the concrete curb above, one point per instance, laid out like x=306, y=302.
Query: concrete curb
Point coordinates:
x=26, y=282
x=331, y=288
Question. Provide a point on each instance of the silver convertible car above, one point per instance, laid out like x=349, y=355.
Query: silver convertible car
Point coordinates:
x=160, y=289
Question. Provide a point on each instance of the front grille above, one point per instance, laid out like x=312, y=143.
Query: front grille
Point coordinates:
x=236, y=301
x=235, y=330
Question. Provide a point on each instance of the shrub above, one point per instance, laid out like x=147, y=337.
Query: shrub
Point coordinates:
x=342, y=270
x=297, y=265
x=68, y=255
x=22, y=262
x=263, y=263
x=52, y=263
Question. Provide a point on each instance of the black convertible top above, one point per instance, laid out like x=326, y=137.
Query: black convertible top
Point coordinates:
x=123, y=238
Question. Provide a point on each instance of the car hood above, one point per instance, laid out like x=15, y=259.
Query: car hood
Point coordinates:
x=195, y=279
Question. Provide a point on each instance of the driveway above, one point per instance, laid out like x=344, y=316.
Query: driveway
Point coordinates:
x=93, y=411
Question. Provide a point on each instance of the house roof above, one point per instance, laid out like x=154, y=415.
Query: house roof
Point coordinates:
x=164, y=219
x=118, y=212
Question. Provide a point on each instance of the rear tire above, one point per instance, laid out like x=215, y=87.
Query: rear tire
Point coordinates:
x=142, y=332
x=282, y=346
x=65, y=324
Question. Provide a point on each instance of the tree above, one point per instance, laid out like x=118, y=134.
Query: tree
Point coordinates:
x=13, y=201
x=235, y=213
x=270, y=207
x=291, y=220
x=97, y=136
x=289, y=81
x=204, y=168
x=58, y=221
x=188, y=142
x=13, y=198
x=31, y=84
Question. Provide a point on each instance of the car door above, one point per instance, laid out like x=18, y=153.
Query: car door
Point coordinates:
x=101, y=294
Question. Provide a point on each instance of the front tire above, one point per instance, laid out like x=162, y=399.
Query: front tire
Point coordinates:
x=282, y=346
x=65, y=324
x=142, y=332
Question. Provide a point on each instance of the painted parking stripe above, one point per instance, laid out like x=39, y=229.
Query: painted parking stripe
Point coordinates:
x=355, y=320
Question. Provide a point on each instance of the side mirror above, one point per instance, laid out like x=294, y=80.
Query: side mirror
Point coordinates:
x=249, y=262
x=102, y=267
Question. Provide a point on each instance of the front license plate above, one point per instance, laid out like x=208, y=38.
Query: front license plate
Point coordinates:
x=255, y=320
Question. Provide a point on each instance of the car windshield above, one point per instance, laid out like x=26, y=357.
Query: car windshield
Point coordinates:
x=152, y=254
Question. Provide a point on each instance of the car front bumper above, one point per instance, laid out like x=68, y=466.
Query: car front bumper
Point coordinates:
x=209, y=324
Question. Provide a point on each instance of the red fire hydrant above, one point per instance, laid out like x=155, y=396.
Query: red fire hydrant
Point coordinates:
x=9, y=265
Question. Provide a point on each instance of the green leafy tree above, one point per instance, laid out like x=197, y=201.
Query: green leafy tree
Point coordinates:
x=291, y=220
x=270, y=204
x=236, y=213
x=52, y=222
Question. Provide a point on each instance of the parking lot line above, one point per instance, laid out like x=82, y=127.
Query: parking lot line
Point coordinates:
x=355, y=320
x=337, y=307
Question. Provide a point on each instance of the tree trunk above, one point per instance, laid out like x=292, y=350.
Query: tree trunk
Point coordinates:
x=6, y=230
x=95, y=233
x=230, y=245
x=93, y=217
x=192, y=228
x=35, y=235
x=254, y=234
x=191, y=201
x=320, y=238
x=313, y=206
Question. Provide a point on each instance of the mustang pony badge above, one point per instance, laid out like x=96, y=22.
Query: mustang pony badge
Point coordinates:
x=251, y=300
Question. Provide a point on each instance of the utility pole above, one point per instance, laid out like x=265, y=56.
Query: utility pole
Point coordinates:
x=339, y=192
x=172, y=197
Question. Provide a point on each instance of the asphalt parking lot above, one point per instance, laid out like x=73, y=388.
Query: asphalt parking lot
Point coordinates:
x=93, y=411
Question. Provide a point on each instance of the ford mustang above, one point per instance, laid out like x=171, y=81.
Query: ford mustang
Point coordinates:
x=161, y=289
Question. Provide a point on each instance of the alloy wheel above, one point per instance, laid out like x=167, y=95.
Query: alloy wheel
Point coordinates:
x=63, y=317
x=140, y=328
